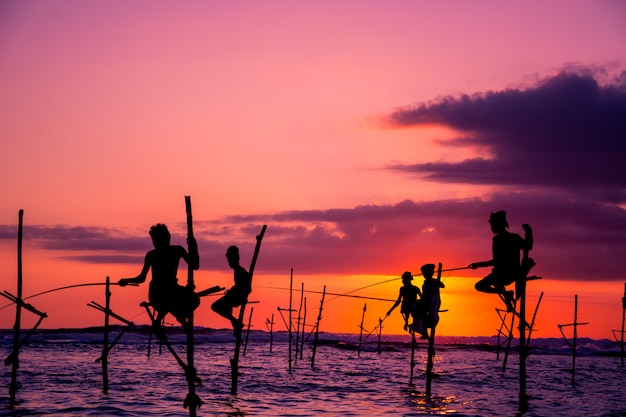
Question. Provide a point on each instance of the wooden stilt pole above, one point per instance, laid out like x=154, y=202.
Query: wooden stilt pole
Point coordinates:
x=234, y=363
x=361, y=329
x=508, y=344
x=500, y=330
x=317, y=328
x=380, y=332
x=290, y=310
x=303, y=324
x=108, y=348
x=105, y=343
x=523, y=352
x=192, y=401
x=623, y=319
x=532, y=323
x=298, y=322
x=575, y=337
x=245, y=345
x=270, y=327
x=431, y=343
x=164, y=340
x=413, y=346
x=18, y=313
x=572, y=345
x=18, y=299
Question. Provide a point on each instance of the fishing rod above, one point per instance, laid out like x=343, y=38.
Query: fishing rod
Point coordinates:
x=337, y=295
x=391, y=280
x=65, y=288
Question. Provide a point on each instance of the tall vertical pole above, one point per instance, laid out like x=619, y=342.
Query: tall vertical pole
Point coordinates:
x=303, y=324
x=298, y=323
x=18, y=312
x=290, y=309
x=105, y=343
x=234, y=362
x=413, y=346
x=380, y=332
x=623, y=319
x=361, y=333
x=431, y=340
x=523, y=353
x=245, y=344
x=271, y=329
x=575, y=336
x=317, y=328
x=192, y=401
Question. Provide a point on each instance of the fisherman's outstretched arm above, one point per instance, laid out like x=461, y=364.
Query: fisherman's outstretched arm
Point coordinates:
x=139, y=278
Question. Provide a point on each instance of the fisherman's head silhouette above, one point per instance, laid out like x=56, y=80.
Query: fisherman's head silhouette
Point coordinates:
x=407, y=277
x=498, y=221
x=160, y=235
x=232, y=254
x=428, y=270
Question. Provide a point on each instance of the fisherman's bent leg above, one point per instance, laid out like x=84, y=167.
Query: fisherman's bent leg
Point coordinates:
x=487, y=285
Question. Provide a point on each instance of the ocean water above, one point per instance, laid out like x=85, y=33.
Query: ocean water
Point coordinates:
x=59, y=376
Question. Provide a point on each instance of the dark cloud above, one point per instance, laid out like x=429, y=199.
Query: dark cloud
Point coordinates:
x=567, y=133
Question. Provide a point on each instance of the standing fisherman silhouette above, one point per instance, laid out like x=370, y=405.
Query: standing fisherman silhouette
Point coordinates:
x=427, y=309
x=237, y=294
x=408, y=297
x=506, y=247
x=164, y=293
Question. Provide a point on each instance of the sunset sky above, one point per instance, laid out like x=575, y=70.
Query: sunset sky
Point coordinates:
x=370, y=137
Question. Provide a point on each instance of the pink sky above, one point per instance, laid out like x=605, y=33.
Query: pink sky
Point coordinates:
x=340, y=125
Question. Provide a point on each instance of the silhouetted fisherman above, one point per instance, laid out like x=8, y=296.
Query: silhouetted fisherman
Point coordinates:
x=427, y=309
x=165, y=295
x=505, y=249
x=237, y=294
x=408, y=297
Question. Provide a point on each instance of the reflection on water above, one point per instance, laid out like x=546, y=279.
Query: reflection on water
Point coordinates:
x=62, y=378
x=432, y=404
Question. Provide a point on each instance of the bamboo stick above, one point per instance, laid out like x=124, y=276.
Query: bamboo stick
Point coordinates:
x=572, y=345
x=380, y=331
x=623, y=319
x=431, y=343
x=192, y=401
x=245, y=345
x=317, y=328
x=290, y=310
x=270, y=326
x=105, y=343
x=298, y=323
x=18, y=313
x=532, y=323
x=413, y=346
x=303, y=324
x=234, y=363
x=523, y=397
x=361, y=329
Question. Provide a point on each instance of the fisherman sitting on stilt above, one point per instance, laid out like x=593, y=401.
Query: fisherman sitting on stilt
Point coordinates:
x=165, y=295
x=506, y=247
x=237, y=294
x=408, y=297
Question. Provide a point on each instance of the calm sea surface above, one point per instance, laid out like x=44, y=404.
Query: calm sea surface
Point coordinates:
x=59, y=376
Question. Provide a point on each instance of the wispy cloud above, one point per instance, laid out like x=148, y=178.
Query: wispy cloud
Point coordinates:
x=582, y=240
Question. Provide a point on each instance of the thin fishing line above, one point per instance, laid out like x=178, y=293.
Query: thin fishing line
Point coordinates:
x=62, y=288
x=328, y=293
